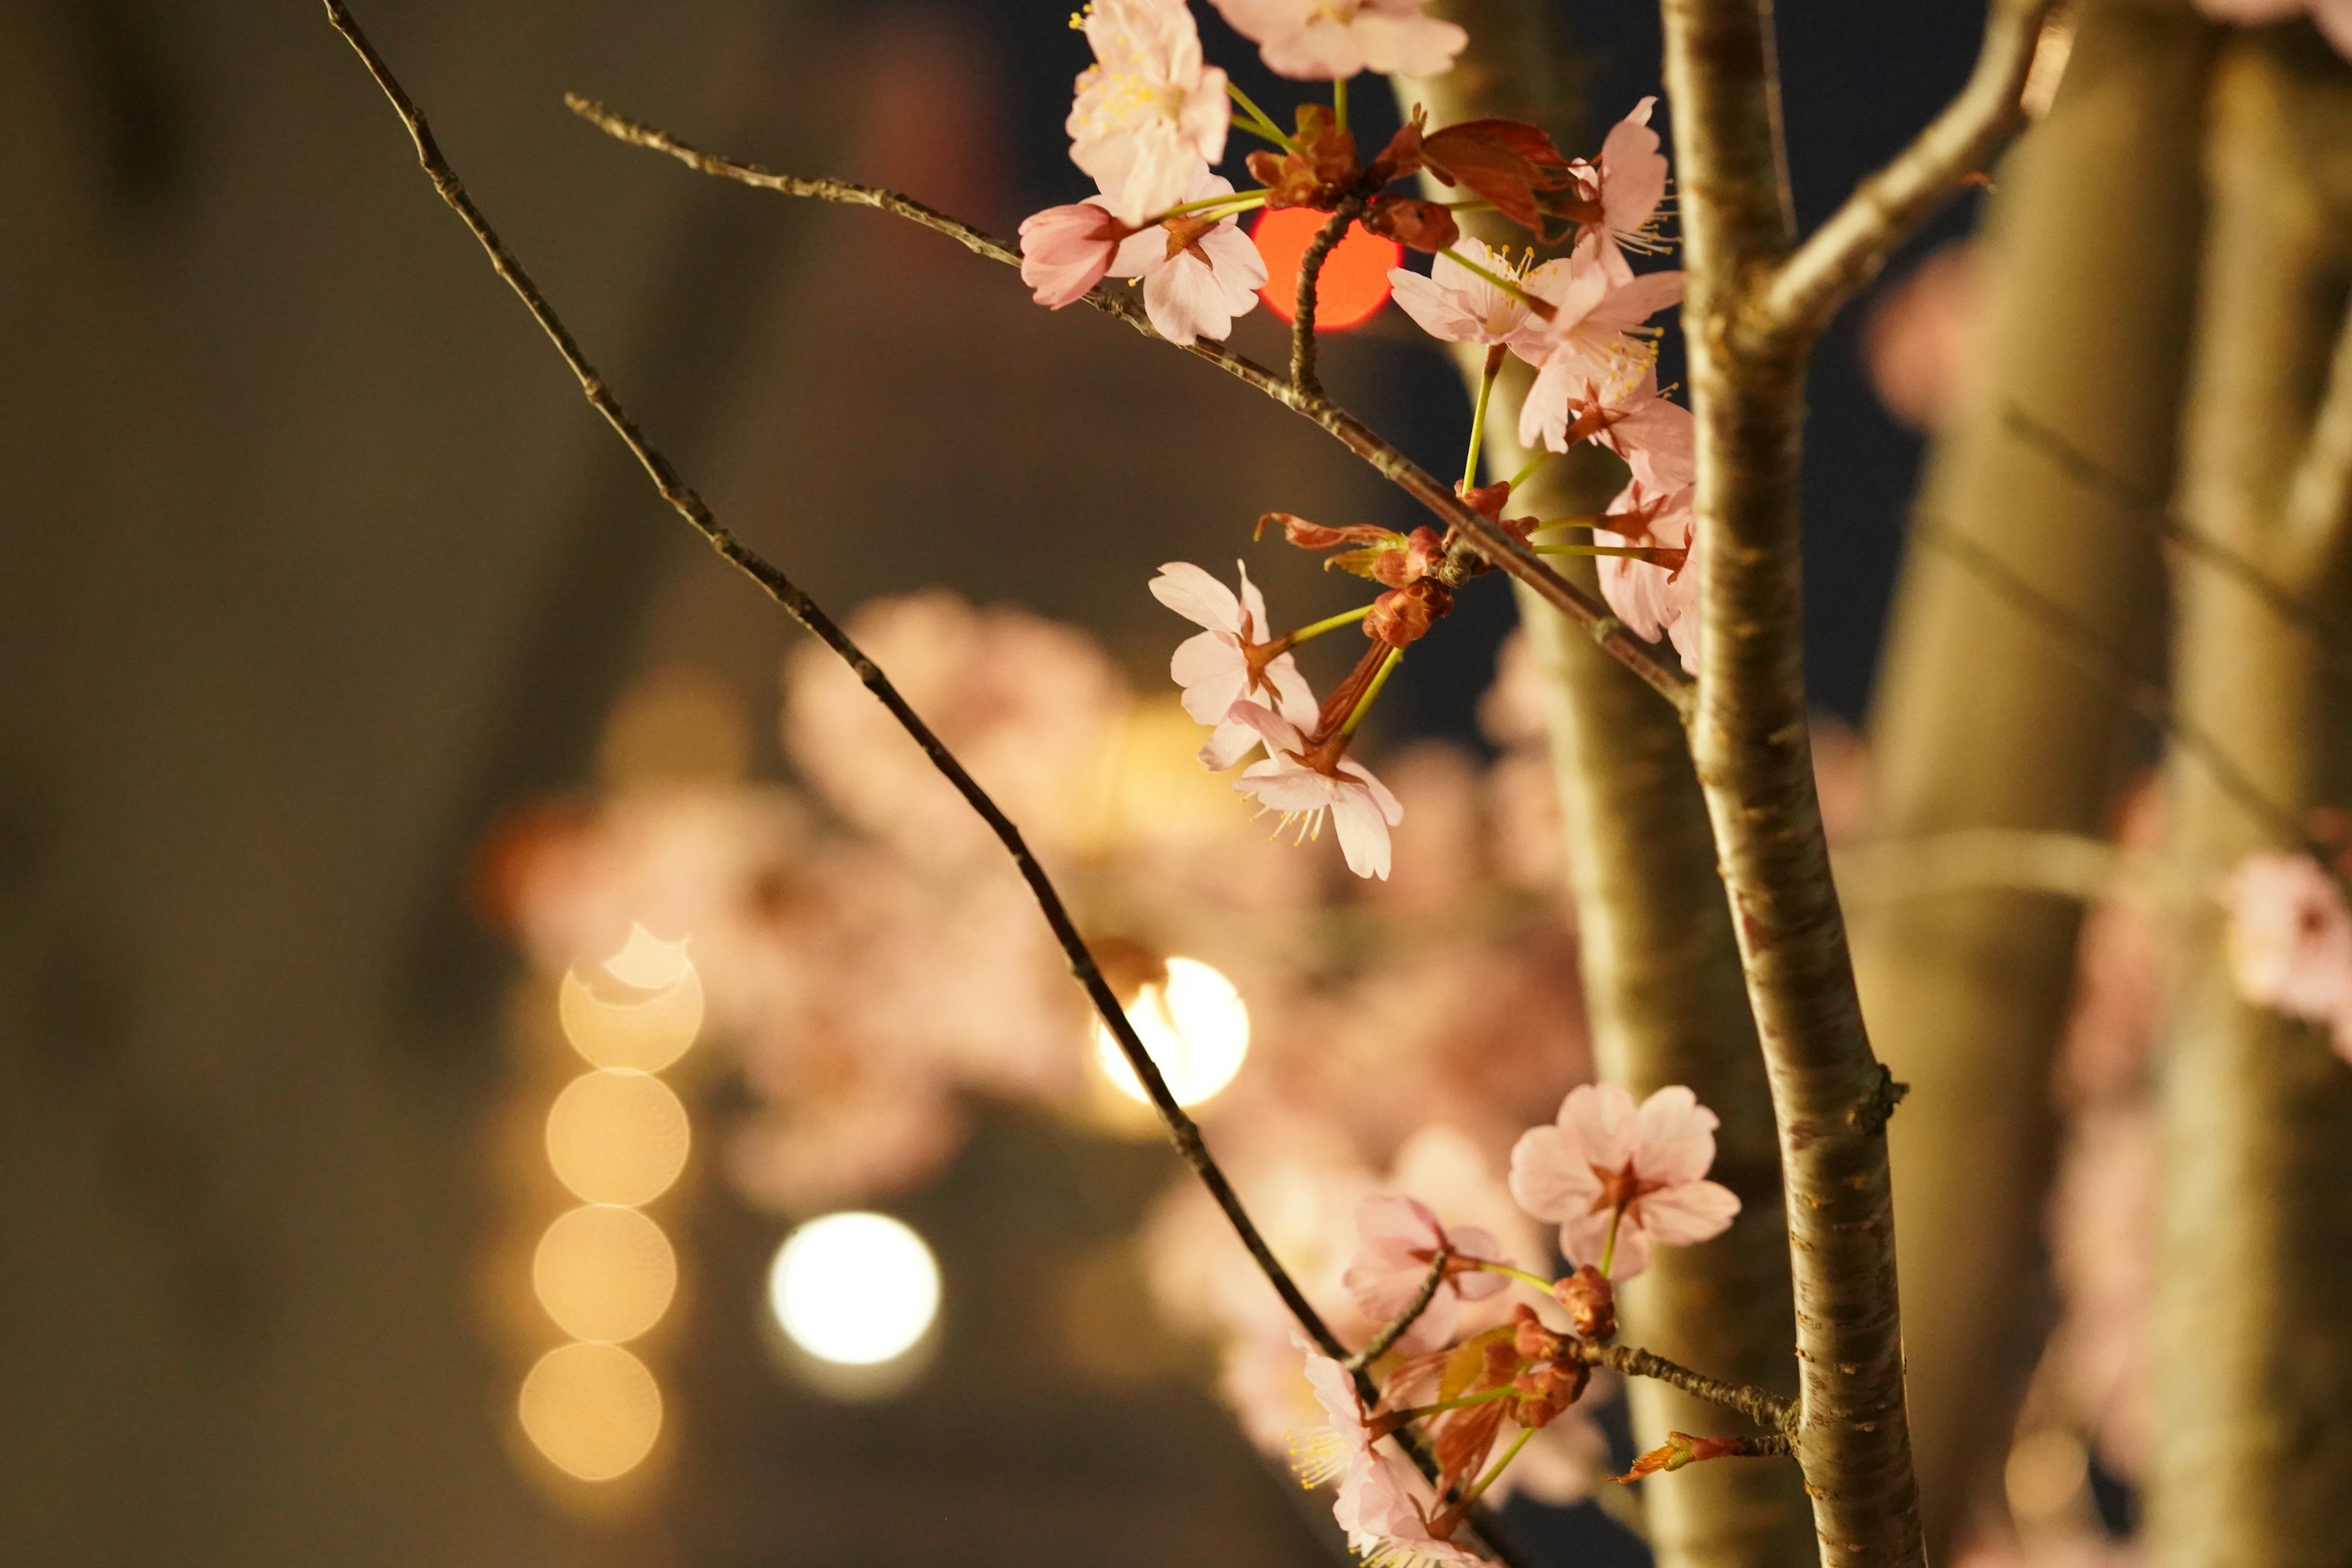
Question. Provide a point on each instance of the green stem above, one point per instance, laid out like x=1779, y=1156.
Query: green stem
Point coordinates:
x=1478, y=417
x=1537, y=461
x=1419, y=1411
x=1339, y=102
x=1496, y=1470
x=1608, y=1247
x=1522, y=1274
x=1543, y=307
x=1264, y=125
x=1372, y=693
x=1328, y=624
x=1637, y=552
x=1580, y=520
x=1241, y=201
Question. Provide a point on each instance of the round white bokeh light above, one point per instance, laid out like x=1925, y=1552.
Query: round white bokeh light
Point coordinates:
x=854, y=1288
x=1196, y=1027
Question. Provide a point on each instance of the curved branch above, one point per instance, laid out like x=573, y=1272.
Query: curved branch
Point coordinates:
x=1182, y=1129
x=1846, y=252
x=1498, y=548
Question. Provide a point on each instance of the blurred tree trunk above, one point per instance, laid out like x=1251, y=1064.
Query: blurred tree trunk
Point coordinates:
x=1661, y=968
x=1982, y=719
x=2254, y=1460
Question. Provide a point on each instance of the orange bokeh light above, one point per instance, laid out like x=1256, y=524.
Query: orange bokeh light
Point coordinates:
x=1354, y=282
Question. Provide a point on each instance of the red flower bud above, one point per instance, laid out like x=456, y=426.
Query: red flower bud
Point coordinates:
x=1591, y=1303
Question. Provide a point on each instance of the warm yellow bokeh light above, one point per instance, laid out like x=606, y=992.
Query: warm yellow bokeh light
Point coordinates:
x=1196, y=1027
x=645, y=1035
x=605, y=1273
x=594, y=1410
x=617, y=1137
x=648, y=963
x=855, y=1289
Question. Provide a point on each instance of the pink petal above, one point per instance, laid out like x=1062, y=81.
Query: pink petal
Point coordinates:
x=1390, y=809
x=1633, y=1247
x=1210, y=667
x=1199, y=597
x=1690, y=1212
x=1674, y=1137
x=1547, y=1179
x=1584, y=1234
x=1393, y=1217
x=1598, y=1118
x=1228, y=743
x=1437, y=311
x=1363, y=832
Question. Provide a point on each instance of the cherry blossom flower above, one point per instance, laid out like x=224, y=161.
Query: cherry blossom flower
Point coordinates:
x=1653, y=598
x=1361, y=807
x=1198, y=274
x=1399, y=1238
x=1657, y=438
x=1590, y=353
x=1923, y=342
x=1321, y=1452
x=2291, y=941
x=1625, y=184
x=1323, y=40
x=1383, y=1507
x=1455, y=305
x=1065, y=251
x=1222, y=665
x=1148, y=114
x=1606, y=1168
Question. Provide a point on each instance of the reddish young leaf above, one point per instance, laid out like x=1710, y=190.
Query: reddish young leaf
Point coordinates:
x=1423, y=226
x=1509, y=162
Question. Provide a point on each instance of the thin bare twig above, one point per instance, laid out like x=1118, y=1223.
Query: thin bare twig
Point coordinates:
x=2143, y=694
x=1182, y=1130
x=1405, y=1320
x=1764, y=1408
x=1846, y=251
x=1310, y=274
x=2151, y=510
x=1497, y=547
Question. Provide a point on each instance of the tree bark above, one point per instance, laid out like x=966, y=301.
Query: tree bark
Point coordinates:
x=1660, y=966
x=1749, y=738
x=1980, y=719
x=2253, y=1460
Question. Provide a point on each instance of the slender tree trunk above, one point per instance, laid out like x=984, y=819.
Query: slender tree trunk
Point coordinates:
x=1981, y=719
x=2253, y=1461
x=1661, y=968
x=1749, y=738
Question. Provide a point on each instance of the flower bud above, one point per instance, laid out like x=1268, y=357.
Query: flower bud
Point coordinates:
x=1591, y=1303
x=1531, y=1337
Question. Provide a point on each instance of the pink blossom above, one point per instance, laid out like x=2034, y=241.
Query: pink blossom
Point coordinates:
x=1653, y=598
x=1383, y=1505
x=1216, y=668
x=2291, y=940
x=1399, y=1238
x=1345, y=1437
x=1455, y=305
x=1323, y=40
x=1627, y=182
x=1604, y=1159
x=1362, y=806
x=1148, y=114
x=1064, y=251
x=1923, y=339
x=1657, y=438
x=1197, y=275
x=1592, y=352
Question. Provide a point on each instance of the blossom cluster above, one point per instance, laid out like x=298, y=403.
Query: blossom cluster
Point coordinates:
x=1149, y=121
x=1481, y=1379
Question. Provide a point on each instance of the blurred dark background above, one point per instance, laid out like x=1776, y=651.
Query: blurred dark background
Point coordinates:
x=314, y=565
